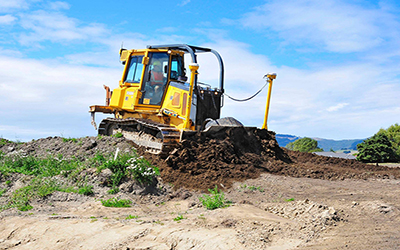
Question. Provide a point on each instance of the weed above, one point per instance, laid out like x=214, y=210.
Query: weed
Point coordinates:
x=74, y=140
x=159, y=222
x=2, y=191
x=201, y=216
x=113, y=190
x=130, y=217
x=179, y=218
x=86, y=190
x=8, y=182
x=289, y=200
x=215, y=200
x=4, y=141
x=99, y=137
x=127, y=165
x=37, y=188
x=115, y=202
x=118, y=135
x=141, y=170
x=252, y=188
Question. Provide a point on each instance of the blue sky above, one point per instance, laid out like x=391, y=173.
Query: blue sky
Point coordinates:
x=337, y=61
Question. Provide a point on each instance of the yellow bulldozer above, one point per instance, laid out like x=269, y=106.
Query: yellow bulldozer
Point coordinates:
x=156, y=105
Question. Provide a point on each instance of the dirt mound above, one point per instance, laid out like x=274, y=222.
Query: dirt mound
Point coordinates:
x=238, y=153
x=232, y=154
x=81, y=148
x=331, y=168
x=219, y=158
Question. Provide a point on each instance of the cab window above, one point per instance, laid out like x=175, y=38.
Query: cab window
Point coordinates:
x=177, y=67
x=156, y=79
x=135, y=69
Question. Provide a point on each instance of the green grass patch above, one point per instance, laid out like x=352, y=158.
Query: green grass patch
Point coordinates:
x=74, y=140
x=179, y=218
x=215, y=200
x=43, y=170
x=85, y=190
x=4, y=141
x=130, y=217
x=2, y=191
x=118, y=135
x=37, y=188
x=115, y=202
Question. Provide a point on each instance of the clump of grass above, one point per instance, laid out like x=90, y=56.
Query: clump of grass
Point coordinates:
x=127, y=165
x=2, y=191
x=4, y=141
x=130, y=217
x=118, y=135
x=74, y=140
x=115, y=202
x=215, y=200
x=179, y=218
x=29, y=165
x=86, y=190
x=38, y=188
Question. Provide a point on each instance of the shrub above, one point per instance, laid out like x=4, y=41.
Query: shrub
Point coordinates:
x=215, y=200
x=86, y=190
x=141, y=170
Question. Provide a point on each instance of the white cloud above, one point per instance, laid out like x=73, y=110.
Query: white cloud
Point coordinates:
x=59, y=5
x=337, y=107
x=9, y=5
x=57, y=27
x=7, y=19
x=336, y=26
x=184, y=2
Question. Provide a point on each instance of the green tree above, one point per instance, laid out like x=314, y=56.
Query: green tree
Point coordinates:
x=376, y=149
x=393, y=134
x=304, y=145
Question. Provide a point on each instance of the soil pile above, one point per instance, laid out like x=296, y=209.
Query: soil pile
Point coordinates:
x=238, y=153
x=219, y=158
x=81, y=148
x=222, y=157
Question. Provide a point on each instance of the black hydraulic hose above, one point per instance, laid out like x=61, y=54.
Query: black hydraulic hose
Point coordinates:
x=249, y=98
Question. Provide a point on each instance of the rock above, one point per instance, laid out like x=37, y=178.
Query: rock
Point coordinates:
x=105, y=177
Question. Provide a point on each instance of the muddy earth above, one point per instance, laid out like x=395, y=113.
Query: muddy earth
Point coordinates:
x=278, y=199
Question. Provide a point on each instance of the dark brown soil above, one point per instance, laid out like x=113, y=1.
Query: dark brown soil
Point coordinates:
x=236, y=154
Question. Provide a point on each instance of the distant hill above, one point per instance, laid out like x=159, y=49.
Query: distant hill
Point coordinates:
x=283, y=140
x=325, y=144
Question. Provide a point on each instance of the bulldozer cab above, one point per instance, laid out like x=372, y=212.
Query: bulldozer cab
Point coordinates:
x=162, y=67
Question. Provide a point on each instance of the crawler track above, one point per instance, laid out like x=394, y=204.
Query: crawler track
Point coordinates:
x=155, y=137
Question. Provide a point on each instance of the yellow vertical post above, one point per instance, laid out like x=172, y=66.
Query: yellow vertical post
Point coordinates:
x=193, y=69
x=270, y=77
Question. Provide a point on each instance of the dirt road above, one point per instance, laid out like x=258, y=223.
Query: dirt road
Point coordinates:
x=270, y=212
x=279, y=200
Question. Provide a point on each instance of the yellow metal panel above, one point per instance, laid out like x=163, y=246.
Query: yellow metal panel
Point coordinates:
x=129, y=97
x=117, y=97
x=171, y=102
